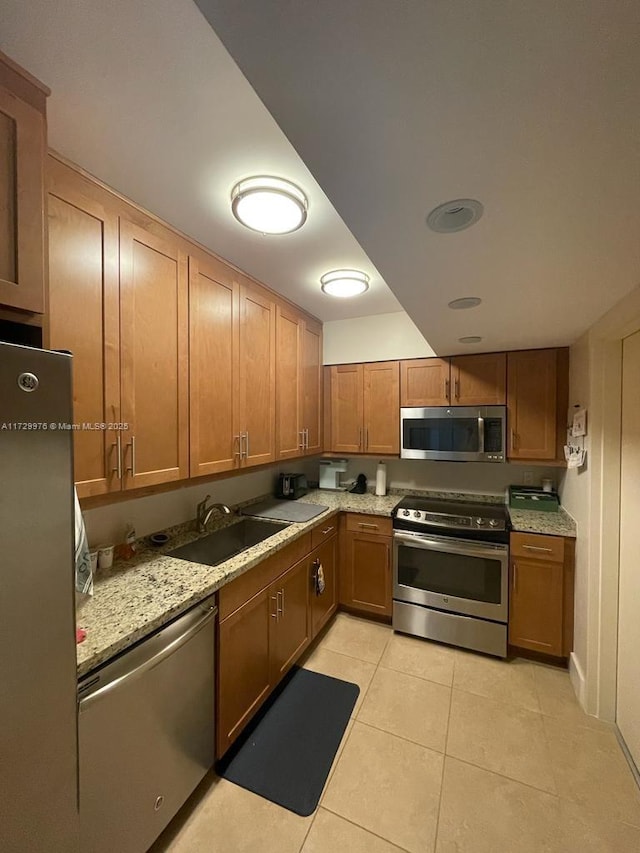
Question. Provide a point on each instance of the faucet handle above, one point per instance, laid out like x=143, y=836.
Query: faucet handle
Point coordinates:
x=202, y=505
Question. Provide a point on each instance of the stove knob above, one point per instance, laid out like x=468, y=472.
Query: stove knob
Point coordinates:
x=479, y=522
x=406, y=512
x=493, y=522
x=416, y=514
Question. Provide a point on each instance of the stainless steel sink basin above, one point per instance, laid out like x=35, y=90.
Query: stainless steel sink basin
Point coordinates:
x=227, y=542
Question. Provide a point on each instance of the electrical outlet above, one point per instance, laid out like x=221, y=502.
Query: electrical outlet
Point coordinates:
x=527, y=478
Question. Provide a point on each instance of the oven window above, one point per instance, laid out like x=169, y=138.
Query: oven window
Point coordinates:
x=444, y=434
x=475, y=578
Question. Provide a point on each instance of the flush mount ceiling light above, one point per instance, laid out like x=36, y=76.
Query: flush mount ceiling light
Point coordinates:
x=454, y=215
x=465, y=302
x=344, y=283
x=269, y=205
x=470, y=339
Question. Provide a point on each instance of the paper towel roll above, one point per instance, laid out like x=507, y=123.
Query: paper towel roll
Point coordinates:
x=381, y=479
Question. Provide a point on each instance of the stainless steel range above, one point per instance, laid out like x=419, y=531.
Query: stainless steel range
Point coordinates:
x=450, y=572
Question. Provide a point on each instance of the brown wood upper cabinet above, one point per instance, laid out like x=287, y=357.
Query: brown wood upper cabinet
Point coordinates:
x=298, y=384
x=23, y=132
x=537, y=398
x=365, y=408
x=84, y=282
x=118, y=302
x=465, y=380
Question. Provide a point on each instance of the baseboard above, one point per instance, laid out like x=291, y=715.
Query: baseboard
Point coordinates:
x=634, y=769
x=576, y=676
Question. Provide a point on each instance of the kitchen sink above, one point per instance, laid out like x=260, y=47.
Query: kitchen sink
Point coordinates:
x=227, y=542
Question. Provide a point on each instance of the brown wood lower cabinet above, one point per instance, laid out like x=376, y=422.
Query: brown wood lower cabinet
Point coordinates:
x=268, y=617
x=323, y=605
x=365, y=568
x=541, y=594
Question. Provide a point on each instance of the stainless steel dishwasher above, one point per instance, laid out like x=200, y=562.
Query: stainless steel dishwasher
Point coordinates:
x=146, y=734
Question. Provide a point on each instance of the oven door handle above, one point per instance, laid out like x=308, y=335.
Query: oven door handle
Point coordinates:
x=451, y=546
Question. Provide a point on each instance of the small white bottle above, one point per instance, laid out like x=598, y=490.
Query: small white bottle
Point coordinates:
x=381, y=479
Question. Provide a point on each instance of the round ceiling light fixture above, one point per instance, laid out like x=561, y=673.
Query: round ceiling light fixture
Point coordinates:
x=269, y=205
x=344, y=283
x=470, y=339
x=455, y=215
x=465, y=302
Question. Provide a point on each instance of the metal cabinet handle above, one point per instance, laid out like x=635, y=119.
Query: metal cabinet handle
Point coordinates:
x=515, y=577
x=237, y=454
x=457, y=389
x=246, y=452
x=306, y=438
x=118, y=447
x=301, y=444
x=538, y=548
x=328, y=530
x=366, y=438
x=447, y=386
x=513, y=439
x=366, y=524
x=280, y=603
x=282, y=609
x=359, y=438
x=274, y=615
x=132, y=467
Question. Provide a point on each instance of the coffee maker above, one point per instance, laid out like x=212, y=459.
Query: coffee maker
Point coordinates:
x=330, y=471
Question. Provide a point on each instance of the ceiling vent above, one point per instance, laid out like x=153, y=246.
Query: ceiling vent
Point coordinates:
x=454, y=215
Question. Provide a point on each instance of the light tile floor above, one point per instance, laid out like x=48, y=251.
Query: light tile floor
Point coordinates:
x=447, y=752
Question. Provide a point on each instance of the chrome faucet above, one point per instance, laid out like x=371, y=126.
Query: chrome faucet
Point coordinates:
x=204, y=513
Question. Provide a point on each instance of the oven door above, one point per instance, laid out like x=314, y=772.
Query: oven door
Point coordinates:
x=451, y=574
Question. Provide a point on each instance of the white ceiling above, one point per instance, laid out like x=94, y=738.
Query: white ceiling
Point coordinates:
x=145, y=97
x=394, y=106
x=533, y=108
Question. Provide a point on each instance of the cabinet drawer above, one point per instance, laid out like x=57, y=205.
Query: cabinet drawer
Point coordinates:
x=324, y=531
x=358, y=523
x=537, y=547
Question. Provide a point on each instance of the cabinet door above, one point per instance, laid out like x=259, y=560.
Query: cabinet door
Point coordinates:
x=323, y=605
x=289, y=435
x=479, y=380
x=347, y=408
x=381, y=407
x=312, y=386
x=244, y=678
x=536, y=606
x=22, y=205
x=257, y=375
x=365, y=573
x=213, y=366
x=84, y=319
x=425, y=382
x=289, y=595
x=154, y=352
x=531, y=384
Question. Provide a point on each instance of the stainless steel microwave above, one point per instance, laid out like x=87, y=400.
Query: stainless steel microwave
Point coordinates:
x=454, y=434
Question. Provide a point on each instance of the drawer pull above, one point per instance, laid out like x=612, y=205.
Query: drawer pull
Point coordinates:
x=367, y=524
x=328, y=530
x=515, y=577
x=538, y=548
x=274, y=615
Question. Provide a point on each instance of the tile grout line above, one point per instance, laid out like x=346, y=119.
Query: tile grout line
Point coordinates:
x=366, y=829
x=444, y=758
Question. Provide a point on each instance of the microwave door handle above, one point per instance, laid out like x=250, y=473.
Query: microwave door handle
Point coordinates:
x=481, y=433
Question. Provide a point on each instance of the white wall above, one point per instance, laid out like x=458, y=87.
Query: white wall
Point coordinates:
x=378, y=338
x=575, y=492
x=470, y=477
x=155, y=512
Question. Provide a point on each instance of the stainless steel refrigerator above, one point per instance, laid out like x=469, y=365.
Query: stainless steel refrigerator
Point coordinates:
x=38, y=722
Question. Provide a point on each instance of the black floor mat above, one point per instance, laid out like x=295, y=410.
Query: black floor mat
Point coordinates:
x=287, y=753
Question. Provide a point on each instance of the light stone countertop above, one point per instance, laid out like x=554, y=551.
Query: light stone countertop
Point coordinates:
x=549, y=523
x=136, y=597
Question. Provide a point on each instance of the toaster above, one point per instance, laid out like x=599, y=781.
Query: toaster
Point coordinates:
x=291, y=486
